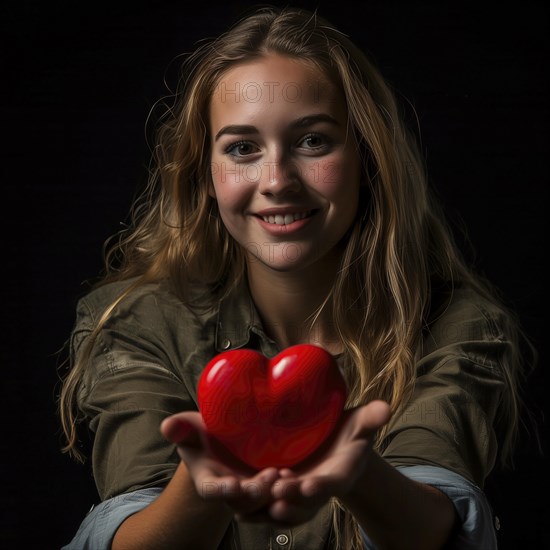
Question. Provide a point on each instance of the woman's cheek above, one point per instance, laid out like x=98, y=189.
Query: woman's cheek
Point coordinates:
x=328, y=175
x=227, y=180
x=233, y=197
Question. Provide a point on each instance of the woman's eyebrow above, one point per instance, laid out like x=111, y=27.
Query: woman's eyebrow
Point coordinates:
x=313, y=119
x=236, y=129
x=243, y=129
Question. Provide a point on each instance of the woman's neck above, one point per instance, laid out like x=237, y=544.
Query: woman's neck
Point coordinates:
x=288, y=302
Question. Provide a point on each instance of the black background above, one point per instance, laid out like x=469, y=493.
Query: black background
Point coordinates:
x=77, y=82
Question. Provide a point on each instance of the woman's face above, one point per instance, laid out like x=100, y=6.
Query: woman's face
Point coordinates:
x=285, y=166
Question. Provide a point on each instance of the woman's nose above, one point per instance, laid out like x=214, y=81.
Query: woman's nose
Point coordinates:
x=279, y=178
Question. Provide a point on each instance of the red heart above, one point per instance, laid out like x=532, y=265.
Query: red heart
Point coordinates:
x=272, y=412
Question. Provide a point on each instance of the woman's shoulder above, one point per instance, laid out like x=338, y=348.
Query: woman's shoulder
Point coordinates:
x=464, y=313
x=133, y=299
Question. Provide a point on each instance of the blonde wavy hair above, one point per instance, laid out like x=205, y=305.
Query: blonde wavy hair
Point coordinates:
x=398, y=245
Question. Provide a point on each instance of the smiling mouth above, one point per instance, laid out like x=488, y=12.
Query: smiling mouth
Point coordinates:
x=287, y=219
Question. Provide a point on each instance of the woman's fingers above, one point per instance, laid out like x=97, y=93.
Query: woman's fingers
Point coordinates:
x=373, y=416
x=259, y=486
x=215, y=473
x=363, y=422
x=306, y=489
x=212, y=486
x=301, y=491
x=183, y=428
x=289, y=496
x=246, y=497
x=255, y=493
x=293, y=513
x=288, y=488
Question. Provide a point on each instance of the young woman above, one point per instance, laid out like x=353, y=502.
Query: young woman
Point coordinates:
x=289, y=205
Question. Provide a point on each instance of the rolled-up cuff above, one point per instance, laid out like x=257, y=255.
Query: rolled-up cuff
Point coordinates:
x=97, y=530
x=476, y=529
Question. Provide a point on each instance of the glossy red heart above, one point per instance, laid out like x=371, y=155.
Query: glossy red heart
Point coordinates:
x=272, y=412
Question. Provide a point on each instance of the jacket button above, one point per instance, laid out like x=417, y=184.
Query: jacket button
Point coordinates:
x=226, y=344
x=282, y=539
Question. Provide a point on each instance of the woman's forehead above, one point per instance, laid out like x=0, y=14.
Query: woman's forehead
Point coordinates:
x=272, y=78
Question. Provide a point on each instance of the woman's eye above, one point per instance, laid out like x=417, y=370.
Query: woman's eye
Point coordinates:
x=313, y=141
x=241, y=149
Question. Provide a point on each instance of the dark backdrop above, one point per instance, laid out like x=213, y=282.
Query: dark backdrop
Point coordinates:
x=77, y=82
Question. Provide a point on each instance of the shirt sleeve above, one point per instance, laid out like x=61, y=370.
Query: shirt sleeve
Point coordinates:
x=476, y=529
x=97, y=530
x=450, y=418
x=132, y=382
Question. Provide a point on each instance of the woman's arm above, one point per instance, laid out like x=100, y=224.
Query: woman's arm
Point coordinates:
x=195, y=511
x=397, y=512
x=394, y=511
x=178, y=518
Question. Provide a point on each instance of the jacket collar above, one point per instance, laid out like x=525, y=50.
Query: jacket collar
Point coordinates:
x=237, y=317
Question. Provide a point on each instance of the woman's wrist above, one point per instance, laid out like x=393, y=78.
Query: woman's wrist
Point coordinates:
x=397, y=512
x=179, y=517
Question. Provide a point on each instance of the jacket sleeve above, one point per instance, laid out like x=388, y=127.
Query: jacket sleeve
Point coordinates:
x=131, y=383
x=449, y=421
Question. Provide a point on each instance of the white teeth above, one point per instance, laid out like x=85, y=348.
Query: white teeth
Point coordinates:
x=286, y=219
